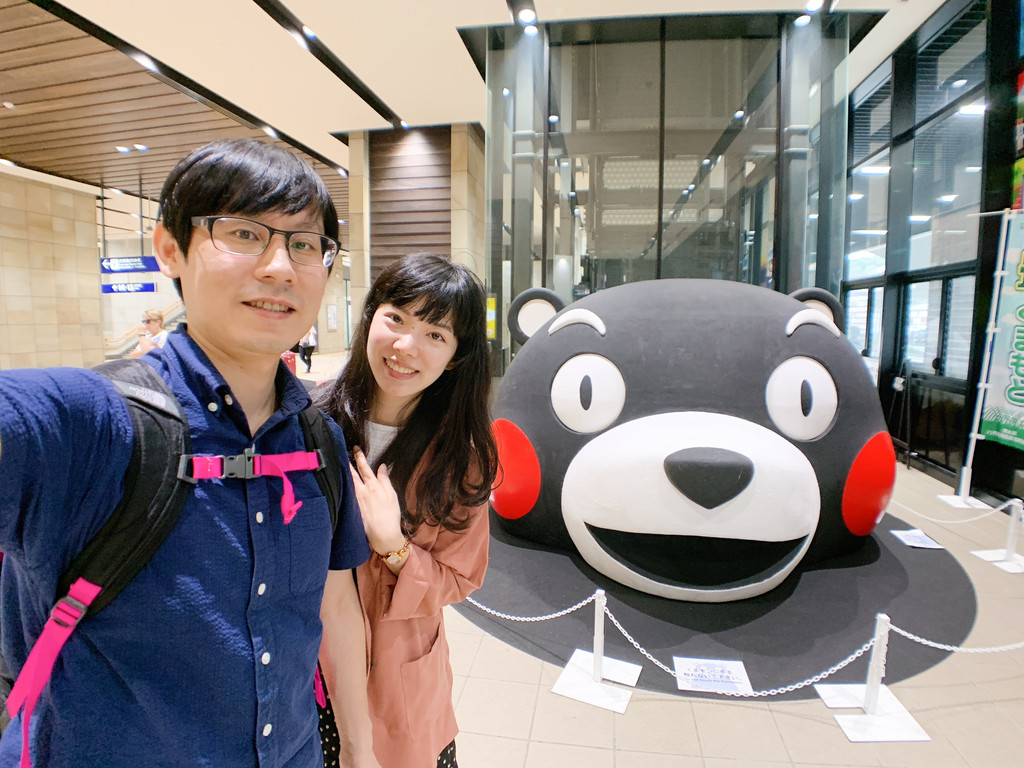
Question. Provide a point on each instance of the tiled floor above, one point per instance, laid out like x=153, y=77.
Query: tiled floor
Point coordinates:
x=971, y=705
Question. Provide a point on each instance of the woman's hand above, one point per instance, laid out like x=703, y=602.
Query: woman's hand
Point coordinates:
x=378, y=502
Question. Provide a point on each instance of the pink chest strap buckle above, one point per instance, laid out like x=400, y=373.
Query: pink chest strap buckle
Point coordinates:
x=250, y=464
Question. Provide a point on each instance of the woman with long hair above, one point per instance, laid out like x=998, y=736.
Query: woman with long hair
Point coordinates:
x=413, y=401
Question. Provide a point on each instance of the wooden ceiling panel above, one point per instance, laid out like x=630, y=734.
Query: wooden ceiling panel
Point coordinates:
x=76, y=98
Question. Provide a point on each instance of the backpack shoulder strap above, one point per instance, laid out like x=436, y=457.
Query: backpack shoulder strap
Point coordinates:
x=149, y=508
x=318, y=437
x=153, y=496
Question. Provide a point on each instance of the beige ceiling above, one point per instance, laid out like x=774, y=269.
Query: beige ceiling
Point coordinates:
x=75, y=96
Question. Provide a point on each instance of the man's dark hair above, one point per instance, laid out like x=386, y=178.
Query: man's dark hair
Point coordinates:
x=241, y=177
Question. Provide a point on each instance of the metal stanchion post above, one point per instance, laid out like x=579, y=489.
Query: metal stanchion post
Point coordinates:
x=1010, y=555
x=876, y=666
x=599, y=604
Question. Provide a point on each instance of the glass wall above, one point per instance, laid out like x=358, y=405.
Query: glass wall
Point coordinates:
x=914, y=204
x=650, y=148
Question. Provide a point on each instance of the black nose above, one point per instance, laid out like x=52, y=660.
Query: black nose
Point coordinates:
x=709, y=476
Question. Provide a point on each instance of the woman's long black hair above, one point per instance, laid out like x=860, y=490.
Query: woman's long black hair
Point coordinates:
x=450, y=423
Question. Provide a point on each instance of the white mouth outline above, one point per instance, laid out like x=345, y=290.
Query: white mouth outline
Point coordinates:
x=592, y=497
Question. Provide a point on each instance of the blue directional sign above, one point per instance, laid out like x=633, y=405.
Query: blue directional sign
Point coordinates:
x=129, y=288
x=129, y=264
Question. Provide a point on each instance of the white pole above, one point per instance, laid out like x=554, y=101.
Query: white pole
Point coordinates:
x=876, y=666
x=599, y=604
x=964, y=490
x=1010, y=556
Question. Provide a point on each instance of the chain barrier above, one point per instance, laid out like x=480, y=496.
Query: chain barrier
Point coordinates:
x=565, y=612
x=955, y=648
x=982, y=516
x=752, y=694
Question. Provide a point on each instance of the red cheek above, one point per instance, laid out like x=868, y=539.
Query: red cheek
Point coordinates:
x=517, y=486
x=869, y=485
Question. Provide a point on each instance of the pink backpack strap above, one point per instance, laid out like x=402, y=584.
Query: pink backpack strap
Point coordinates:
x=64, y=617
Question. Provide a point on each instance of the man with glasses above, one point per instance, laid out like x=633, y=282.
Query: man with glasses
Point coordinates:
x=208, y=656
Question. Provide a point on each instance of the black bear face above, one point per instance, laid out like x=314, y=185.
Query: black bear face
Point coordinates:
x=694, y=439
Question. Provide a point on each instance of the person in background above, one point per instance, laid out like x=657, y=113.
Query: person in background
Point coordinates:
x=152, y=335
x=307, y=345
x=413, y=403
x=208, y=656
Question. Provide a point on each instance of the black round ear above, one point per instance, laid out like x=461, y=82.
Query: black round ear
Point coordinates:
x=825, y=301
x=530, y=310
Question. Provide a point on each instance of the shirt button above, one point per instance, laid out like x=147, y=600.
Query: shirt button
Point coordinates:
x=259, y=518
x=261, y=589
x=212, y=407
x=265, y=658
x=267, y=729
x=229, y=399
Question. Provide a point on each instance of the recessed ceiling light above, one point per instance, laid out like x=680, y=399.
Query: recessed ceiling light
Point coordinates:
x=813, y=6
x=552, y=119
x=802, y=21
x=738, y=114
x=8, y=104
x=122, y=150
x=960, y=83
x=505, y=91
x=527, y=16
x=530, y=31
x=141, y=147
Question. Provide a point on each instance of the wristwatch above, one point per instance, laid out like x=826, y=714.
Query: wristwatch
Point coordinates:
x=397, y=556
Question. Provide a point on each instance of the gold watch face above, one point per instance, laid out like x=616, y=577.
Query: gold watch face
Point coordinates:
x=394, y=558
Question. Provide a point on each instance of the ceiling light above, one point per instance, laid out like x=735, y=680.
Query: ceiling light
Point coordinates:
x=691, y=188
x=7, y=104
x=526, y=16
x=738, y=114
x=505, y=92
x=853, y=197
x=122, y=150
x=802, y=21
x=972, y=109
x=960, y=83
x=972, y=169
x=552, y=119
x=530, y=31
x=919, y=219
x=875, y=170
x=813, y=6
x=946, y=198
x=141, y=147
x=145, y=61
x=705, y=162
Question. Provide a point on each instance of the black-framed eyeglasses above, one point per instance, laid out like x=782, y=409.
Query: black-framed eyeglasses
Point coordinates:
x=244, y=237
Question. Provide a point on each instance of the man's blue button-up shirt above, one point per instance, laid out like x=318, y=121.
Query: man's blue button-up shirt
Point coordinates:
x=207, y=657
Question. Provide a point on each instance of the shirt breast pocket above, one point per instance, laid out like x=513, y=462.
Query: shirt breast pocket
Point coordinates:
x=309, y=541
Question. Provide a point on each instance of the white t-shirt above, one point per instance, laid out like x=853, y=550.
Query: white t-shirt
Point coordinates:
x=379, y=437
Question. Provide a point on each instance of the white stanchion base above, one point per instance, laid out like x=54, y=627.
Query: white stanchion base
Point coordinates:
x=891, y=721
x=577, y=681
x=998, y=558
x=964, y=502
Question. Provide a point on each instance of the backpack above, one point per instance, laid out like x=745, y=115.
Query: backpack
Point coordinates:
x=154, y=496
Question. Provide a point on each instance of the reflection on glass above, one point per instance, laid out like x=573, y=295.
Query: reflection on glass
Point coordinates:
x=871, y=122
x=864, y=325
x=947, y=189
x=958, y=332
x=952, y=63
x=867, y=200
x=921, y=326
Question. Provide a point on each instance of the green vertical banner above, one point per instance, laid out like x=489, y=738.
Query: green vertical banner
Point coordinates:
x=1002, y=419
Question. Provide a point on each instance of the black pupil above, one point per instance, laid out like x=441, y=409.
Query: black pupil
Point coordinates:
x=806, y=397
x=586, y=392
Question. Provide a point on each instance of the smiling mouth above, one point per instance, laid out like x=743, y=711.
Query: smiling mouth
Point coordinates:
x=398, y=368
x=696, y=561
x=269, y=306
